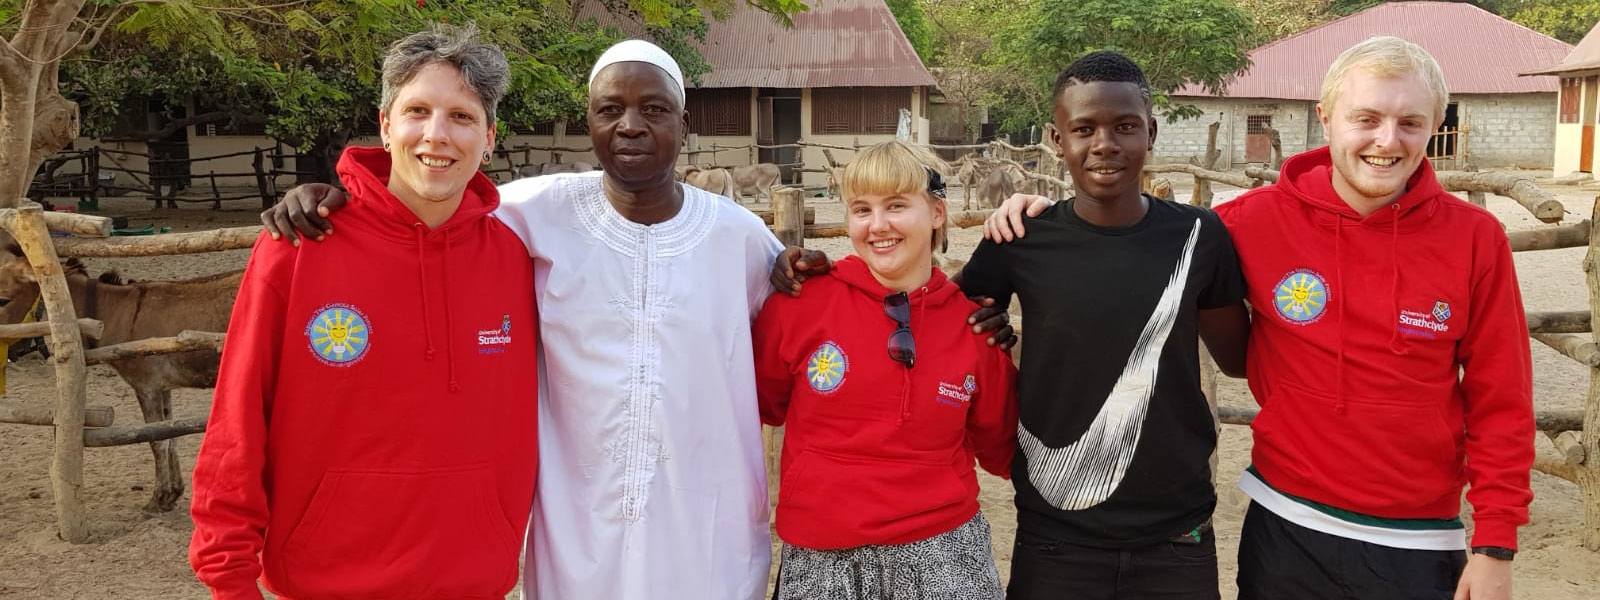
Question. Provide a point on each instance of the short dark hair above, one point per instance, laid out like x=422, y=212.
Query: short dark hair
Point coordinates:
x=1103, y=65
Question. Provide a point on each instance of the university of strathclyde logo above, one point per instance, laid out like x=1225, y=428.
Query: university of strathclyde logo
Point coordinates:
x=826, y=367
x=971, y=384
x=495, y=341
x=339, y=334
x=1441, y=311
x=1301, y=297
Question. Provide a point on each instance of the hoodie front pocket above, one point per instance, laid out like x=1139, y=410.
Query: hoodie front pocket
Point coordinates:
x=1373, y=453
x=403, y=534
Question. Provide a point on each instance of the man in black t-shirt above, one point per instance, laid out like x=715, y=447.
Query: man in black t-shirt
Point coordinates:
x=1114, y=493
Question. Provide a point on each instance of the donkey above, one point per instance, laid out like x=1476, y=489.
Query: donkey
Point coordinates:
x=133, y=311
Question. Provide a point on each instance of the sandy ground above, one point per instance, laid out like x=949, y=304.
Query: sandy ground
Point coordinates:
x=136, y=555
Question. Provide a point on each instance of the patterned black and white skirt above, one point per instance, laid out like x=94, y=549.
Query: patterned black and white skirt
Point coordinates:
x=955, y=565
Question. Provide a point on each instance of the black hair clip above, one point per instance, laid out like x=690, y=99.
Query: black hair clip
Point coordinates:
x=935, y=182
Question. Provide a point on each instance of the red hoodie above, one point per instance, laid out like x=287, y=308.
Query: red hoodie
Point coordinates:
x=399, y=463
x=1389, y=353
x=875, y=453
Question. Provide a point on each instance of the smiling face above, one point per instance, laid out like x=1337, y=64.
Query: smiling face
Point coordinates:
x=636, y=124
x=893, y=234
x=1378, y=130
x=1104, y=130
x=437, y=132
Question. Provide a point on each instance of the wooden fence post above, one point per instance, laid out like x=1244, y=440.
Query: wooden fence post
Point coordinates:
x=258, y=163
x=26, y=224
x=1588, y=479
x=789, y=216
x=1477, y=198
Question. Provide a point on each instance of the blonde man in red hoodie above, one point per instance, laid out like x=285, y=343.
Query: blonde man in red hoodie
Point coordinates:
x=888, y=400
x=1388, y=351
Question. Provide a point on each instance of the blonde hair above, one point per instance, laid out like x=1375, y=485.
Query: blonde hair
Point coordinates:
x=895, y=168
x=1387, y=56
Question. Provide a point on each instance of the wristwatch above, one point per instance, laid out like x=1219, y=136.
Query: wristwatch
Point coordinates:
x=1495, y=552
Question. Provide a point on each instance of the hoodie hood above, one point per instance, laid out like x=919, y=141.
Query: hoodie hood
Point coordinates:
x=853, y=271
x=364, y=171
x=1308, y=177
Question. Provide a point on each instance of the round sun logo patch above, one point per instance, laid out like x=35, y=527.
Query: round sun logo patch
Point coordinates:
x=825, y=369
x=339, y=334
x=1301, y=297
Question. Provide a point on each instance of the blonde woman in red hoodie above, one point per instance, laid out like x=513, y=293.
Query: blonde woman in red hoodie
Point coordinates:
x=373, y=429
x=887, y=400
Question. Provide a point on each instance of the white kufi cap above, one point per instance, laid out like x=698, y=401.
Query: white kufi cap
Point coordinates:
x=640, y=51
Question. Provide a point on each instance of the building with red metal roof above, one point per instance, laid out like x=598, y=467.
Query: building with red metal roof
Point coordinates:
x=840, y=76
x=1495, y=117
x=1576, y=108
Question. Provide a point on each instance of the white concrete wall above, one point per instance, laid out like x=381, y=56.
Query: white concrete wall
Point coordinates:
x=1508, y=130
x=1295, y=121
x=1568, y=148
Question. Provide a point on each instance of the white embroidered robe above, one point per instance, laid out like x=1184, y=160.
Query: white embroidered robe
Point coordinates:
x=651, y=476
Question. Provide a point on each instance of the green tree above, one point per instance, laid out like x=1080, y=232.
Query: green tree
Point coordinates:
x=1565, y=20
x=1278, y=19
x=908, y=13
x=965, y=58
x=306, y=68
x=1176, y=42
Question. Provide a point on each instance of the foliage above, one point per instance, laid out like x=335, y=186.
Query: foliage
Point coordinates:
x=908, y=13
x=970, y=68
x=309, y=70
x=1176, y=42
x=1565, y=20
x=1278, y=19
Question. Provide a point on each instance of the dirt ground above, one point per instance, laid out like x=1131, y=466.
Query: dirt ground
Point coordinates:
x=136, y=555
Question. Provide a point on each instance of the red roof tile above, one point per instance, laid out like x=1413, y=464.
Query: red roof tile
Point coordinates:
x=1479, y=52
x=838, y=43
x=1585, y=56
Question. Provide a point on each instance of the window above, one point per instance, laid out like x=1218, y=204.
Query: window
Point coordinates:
x=723, y=111
x=1571, y=89
x=227, y=128
x=1257, y=124
x=857, y=110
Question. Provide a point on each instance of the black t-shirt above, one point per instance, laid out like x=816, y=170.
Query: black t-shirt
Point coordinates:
x=1115, y=438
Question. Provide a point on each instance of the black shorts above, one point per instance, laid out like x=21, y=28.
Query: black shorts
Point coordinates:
x=1279, y=559
x=1181, y=569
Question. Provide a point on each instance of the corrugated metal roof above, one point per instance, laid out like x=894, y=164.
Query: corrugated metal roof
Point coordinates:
x=1479, y=52
x=838, y=43
x=1585, y=56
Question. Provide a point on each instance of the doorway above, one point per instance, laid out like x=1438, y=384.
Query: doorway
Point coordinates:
x=778, y=116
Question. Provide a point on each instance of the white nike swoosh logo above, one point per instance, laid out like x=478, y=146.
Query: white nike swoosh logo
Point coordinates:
x=1086, y=472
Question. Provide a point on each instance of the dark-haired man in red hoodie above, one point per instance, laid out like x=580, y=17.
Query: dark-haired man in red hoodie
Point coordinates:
x=1389, y=354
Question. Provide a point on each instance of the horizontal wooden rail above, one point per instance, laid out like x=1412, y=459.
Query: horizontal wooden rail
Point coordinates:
x=1571, y=321
x=138, y=434
x=20, y=331
x=183, y=342
x=29, y=414
x=1515, y=186
x=1555, y=421
x=155, y=245
x=1550, y=238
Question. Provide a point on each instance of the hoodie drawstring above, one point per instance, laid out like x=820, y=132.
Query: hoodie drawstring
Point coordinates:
x=1338, y=274
x=422, y=289
x=449, y=349
x=427, y=317
x=905, y=374
x=1397, y=343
